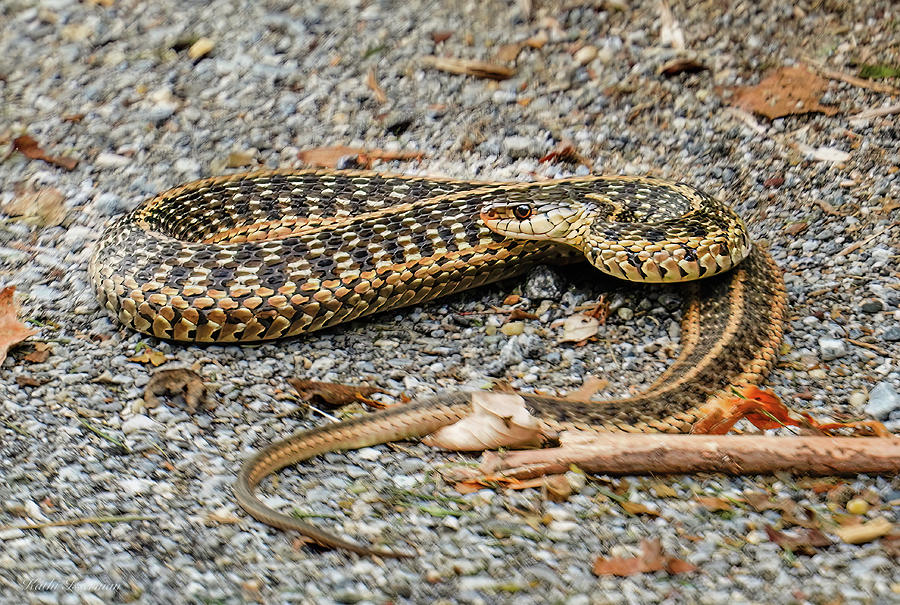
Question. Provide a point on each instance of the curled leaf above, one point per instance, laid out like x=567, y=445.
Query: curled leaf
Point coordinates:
x=331, y=393
x=497, y=420
x=178, y=381
x=12, y=331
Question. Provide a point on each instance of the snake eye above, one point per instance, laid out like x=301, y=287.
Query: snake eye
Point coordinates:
x=522, y=211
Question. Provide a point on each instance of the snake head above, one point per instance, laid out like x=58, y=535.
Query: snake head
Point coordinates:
x=538, y=220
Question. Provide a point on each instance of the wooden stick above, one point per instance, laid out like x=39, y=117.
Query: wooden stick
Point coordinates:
x=630, y=454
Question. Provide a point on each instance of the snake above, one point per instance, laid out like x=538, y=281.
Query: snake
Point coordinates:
x=260, y=256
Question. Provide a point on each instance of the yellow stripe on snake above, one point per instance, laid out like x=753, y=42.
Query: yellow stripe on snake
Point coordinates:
x=267, y=255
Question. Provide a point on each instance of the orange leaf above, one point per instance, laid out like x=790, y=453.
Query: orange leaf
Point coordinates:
x=12, y=331
x=28, y=147
x=787, y=91
x=652, y=558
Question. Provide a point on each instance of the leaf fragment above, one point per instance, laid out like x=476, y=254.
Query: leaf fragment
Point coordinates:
x=787, y=91
x=178, y=381
x=339, y=155
x=28, y=147
x=866, y=532
x=42, y=207
x=12, y=331
x=652, y=558
x=331, y=393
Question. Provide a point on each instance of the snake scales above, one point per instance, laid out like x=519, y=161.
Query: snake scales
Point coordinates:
x=260, y=256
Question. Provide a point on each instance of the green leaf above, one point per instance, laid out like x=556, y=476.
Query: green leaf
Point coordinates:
x=875, y=72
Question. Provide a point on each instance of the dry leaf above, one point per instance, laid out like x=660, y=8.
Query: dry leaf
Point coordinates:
x=42, y=207
x=579, y=327
x=803, y=541
x=788, y=91
x=330, y=157
x=509, y=52
x=27, y=381
x=859, y=534
x=40, y=354
x=28, y=147
x=12, y=331
x=712, y=503
x=651, y=559
x=664, y=491
x=331, y=393
x=558, y=487
x=497, y=420
x=372, y=83
x=796, y=228
x=470, y=67
x=565, y=150
x=635, y=508
x=589, y=387
x=512, y=299
x=148, y=355
x=440, y=36
x=178, y=381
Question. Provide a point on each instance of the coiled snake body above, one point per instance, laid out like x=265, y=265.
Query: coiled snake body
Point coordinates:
x=267, y=255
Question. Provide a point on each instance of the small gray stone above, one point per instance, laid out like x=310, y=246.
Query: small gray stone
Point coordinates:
x=871, y=305
x=543, y=283
x=831, y=348
x=891, y=334
x=882, y=401
x=161, y=112
x=625, y=313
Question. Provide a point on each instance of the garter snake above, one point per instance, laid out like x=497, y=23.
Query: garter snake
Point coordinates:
x=267, y=255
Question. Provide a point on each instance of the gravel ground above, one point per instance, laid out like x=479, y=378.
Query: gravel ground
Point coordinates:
x=113, y=83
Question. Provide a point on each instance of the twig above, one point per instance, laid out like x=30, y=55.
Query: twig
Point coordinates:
x=734, y=454
x=867, y=345
x=875, y=112
x=859, y=82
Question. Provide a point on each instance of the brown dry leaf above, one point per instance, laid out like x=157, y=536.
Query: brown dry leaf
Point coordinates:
x=42, y=207
x=681, y=65
x=512, y=299
x=651, y=559
x=796, y=228
x=497, y=420
x=636, y=508
x=565, y=150
x=440, y=36
x=148, y=355
x=377, y=90
x=712, y=503
x=237, y=159
x=40, y=354
x=787, y=91
x=517, y=314
x=803, y=541
x=579, y=327
x=331, y=393
x=28, y=147
x=558, y=487
x=859, y=534
x=469, y=67
x=509, y=52
x=27, y=381
x=12, y=331
x=590, y=387
x=178, y=381
x=330, y=157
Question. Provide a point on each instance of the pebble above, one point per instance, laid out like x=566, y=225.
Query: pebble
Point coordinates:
x=871, y=305
x=625, y=314
x=585, y=54
x=858, y=398
x=521, y=147
x=111, y=160
x=891, y=334
x=543, y=283
x=831, y=348
x=139, y=422
x=883, y=400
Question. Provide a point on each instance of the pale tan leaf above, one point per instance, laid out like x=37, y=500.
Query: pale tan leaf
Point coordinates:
x=579, y=327
x=497, y=420
x=43, y=207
